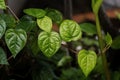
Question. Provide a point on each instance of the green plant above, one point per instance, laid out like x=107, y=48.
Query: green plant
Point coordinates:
x=34, y=32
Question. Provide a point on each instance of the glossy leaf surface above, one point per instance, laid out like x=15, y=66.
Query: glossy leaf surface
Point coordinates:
x=38, y=13
x=2, y=27
x=16, y=40
x=45, y=23
x=55, y=15
x=2, y=4
x=70, y=31
x=49, y=43
x=87, y=61
x=3, y=57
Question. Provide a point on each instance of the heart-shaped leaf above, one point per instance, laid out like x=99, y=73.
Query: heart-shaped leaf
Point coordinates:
x=45, y=23
x=87, y=61
x=96, y=5
x=2, y=4
x=2, y=27
x=70, y=31
x=16, y=40
x=38, y=13
x=3, y=57
x=49, y=43
x=55, y=15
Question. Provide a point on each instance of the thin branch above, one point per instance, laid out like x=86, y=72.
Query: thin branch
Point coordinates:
x=101, y=45
x=12, y=13
x=69, y=48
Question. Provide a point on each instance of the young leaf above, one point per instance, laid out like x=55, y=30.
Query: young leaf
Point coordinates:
x=9, y=19
x=116, y=43
x=45, y=24
x=88, y=28
x=38, y=13
x=2, y=4
x=3, y=57
x=108, y=39
x=87, y=61
x=16, y=40
x=96, y=5
x=70, y=31
x=2, y=27
x=49, y=43
x=55, y=15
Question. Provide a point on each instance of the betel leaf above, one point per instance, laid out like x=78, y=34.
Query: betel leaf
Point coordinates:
x=87, y=61
x=70, y=31
x=38, y=13
x=96, y=5
x=16, y=40
x=88, y=28
x=9, y=19
x=45, y=24
x=49, y=43
x=55, y=15
x=2, y=27
x=2, y=4
x=3, y=57
x=108, y=39
x=116, y=43
x=26, y=23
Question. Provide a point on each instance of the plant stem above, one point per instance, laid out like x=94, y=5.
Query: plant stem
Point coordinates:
x=101, y=45
x=6, y=3
x=12, y=13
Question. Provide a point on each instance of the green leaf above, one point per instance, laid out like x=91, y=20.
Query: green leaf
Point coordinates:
x=9, y=19
x=45, y=24
x=2, y=28
x=116, y=43
x=3, y=57
x=96, y=5
x=87, y=61
x=55, y=15
x=64, y=60
x=16, y=40
x=2, y=4
x=88, y=28
x=26, y=23
x=70, y=31
x=49, y=43
x=38, y=13
x=108, y=39
x=33, y=44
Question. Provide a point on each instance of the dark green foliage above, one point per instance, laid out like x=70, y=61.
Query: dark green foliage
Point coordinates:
x=31, y=50
x=9, y=19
